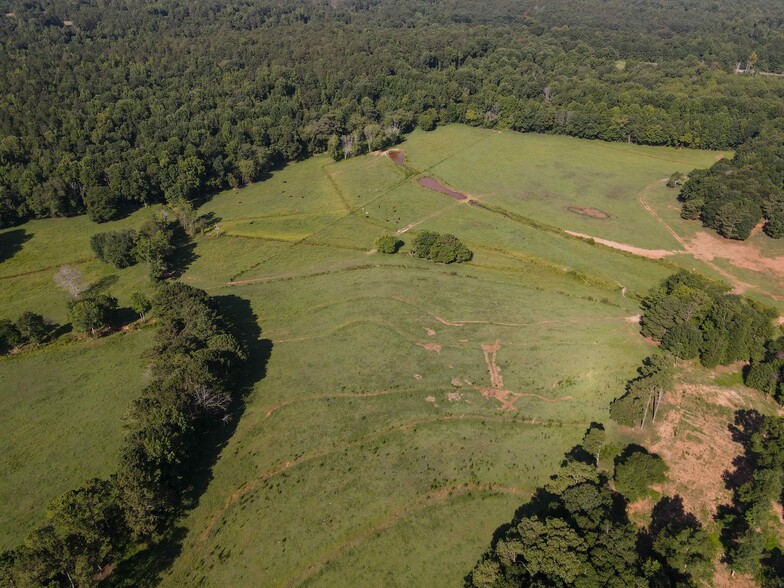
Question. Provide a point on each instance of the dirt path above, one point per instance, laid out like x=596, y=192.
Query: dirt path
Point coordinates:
x=706, y=255
x=649, y=253
x=431, y=498
x=507, y=398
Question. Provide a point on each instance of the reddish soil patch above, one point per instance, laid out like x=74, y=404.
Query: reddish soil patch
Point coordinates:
x=507, y=398
x=649, y=253
x=707, y=247
x=592, y=212
x=397, y=155
x=698, y=448
x=430, y=346
x=433, y=184
x=496, y=380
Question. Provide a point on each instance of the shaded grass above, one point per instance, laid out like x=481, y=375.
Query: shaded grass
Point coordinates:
x=61, y=414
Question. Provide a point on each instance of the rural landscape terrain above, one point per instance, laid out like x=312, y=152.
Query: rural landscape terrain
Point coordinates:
x=397, y=402
x=467, y=323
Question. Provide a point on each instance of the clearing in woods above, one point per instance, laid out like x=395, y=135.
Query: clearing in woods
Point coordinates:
x=383, y=444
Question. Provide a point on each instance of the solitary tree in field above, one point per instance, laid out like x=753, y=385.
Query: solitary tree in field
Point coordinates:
x=70, y=279
x=88, y=315
x=140, y=304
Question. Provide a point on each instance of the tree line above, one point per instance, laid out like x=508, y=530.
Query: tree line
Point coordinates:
x=734, y=196
x=193, y=366
x=693, y=317
x=109, y=108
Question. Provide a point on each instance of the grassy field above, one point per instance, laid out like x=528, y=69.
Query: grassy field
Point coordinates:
x=378, y=450
x=61, y=413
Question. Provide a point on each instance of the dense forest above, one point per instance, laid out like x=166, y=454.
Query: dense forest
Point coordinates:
x=105, y=107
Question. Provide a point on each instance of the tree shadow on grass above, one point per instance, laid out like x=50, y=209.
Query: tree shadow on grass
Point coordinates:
x=11, y=243
x=184, y=255
x=145, y=568
x=102, y=285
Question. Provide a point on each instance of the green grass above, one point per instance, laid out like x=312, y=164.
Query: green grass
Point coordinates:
x=61, y=412
x=363, y=458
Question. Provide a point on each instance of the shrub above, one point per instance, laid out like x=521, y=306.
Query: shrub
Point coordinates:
x=635, y=472
x=10, y=336
x=388, y=244
x=32, y=327
x=91, y=314
x=441, y=248
x=449, y=249
x=115, y=247
x=423, y=242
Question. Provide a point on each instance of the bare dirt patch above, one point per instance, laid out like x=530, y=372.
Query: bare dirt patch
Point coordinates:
x=634, y=319
x=698, y=448
x=430, y=346
x=430, y=332
x=433, y=184
x=507, y=398
x=430, y=399
x=708, y=247
x=454, y=396
x=397, y=155
x=592, y=212
x=417, y=377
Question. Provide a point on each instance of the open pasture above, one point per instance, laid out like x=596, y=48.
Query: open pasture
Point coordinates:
x=407, y=408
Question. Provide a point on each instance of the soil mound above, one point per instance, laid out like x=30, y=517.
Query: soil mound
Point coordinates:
x=592, y=212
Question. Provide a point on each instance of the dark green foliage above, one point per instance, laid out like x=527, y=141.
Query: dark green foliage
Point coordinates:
x=423, y=242
x=766, y=374
x=636, y=470
x=733, y=196
x=33, y=328
x=644, y=393
x=570, y=534
x=757, y=482
x=695, y=317
x=155, y=246
x=575, y=532
x=267, y=82
x=683, y=340
x=90, y=315
x=449, y=249
x=388, y=244
x=192, y=367
x=115, y=247
x=677, y=550
x=441, y=248
x=10, y=337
